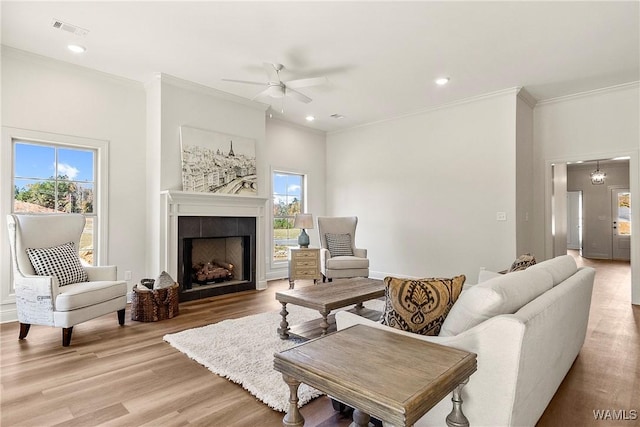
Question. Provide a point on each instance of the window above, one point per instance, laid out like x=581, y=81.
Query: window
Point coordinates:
x=288, y=200
x=57, y=178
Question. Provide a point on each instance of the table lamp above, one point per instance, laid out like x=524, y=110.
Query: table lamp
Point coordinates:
x=303, y=221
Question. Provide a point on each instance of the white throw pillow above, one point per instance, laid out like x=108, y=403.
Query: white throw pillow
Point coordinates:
x=502, y=295
x=164, y=280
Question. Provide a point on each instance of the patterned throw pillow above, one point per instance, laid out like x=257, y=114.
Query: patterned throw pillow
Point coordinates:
x=523, y=261
x=59, y=261
x=420, y=305
x=339, y=244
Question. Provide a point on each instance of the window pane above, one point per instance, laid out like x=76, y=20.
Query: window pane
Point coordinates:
x=284, y=237
x=31, y=195
x=34, y=161
x=75, y=165
x=624, y=214
x=86, y=241
x=75, y=197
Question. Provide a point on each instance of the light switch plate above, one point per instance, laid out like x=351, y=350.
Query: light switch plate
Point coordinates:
x=501, y=216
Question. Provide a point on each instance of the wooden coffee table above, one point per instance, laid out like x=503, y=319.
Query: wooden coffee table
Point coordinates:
x=392, y=377
x=326, y=297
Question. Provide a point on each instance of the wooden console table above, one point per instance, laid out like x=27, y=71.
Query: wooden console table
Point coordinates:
x=304, y=263
x=390, y=376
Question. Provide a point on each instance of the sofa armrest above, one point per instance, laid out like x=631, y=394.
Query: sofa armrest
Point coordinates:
x=98, y=273
x=360, y=253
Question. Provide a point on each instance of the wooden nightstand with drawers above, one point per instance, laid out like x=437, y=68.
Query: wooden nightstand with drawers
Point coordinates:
x=304, y=263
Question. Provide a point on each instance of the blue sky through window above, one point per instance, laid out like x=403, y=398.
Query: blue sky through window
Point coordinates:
x=286, y=187
x=38, y=161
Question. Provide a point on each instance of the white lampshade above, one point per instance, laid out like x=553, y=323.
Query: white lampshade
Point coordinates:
x=303, y=220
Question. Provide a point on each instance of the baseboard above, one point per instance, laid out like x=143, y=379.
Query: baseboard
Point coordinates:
x=8, y=313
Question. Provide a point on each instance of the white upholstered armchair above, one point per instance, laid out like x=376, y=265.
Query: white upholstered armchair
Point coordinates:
x=339, y=257
x=70, y=293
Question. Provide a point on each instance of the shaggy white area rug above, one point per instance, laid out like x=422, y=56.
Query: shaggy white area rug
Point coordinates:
x=241, y=350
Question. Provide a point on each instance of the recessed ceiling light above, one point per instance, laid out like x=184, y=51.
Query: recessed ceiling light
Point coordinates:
x=442, y=81
x=76, y=48
x=310, y=118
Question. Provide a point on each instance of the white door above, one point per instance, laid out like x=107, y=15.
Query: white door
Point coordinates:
x=621, y=227
x=574, y=220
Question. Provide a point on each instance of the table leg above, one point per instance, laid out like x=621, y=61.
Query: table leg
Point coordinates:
x=456, y=418
x=325, y=321
x=293, y=417
x=291, y=284
x=359, y=307
x=360, y=419
x=284, y=325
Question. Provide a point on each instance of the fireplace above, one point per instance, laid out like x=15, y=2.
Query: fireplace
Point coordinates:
x=216, y=255
x=190, y=215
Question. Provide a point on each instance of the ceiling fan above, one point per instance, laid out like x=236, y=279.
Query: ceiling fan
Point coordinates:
x=276, y=88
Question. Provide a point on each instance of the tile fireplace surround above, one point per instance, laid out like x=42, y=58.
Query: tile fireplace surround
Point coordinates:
x=175, y=204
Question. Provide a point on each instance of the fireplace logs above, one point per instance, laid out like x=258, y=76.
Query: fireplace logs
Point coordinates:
x=212, y=272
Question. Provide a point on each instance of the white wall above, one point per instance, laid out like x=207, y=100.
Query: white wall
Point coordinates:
x=43, y=95
x=596, y=125
x=427, y=187
x=302, y=150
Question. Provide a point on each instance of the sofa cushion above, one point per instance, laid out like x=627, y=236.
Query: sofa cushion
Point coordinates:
x=339, y=244
x=419, y=305
x=347, y=262
x=79, y=295
x=522, y=263
x=60, y=261
x=560, y=268
x=500, y=295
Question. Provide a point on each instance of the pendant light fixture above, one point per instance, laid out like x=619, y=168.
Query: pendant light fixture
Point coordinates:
x=597, y=176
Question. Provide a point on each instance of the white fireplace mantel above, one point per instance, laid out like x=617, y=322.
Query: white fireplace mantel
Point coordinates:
x=175, y=203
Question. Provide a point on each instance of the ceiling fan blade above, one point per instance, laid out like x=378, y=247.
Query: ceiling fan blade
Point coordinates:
x=297, y=95
x=244, y=81
x=272, y=71
x=313, y=81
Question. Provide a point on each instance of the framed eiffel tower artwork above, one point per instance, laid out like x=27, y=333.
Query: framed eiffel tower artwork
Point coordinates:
x=215, y=162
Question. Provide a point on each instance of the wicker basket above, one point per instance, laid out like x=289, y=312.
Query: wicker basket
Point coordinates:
x=155, y=305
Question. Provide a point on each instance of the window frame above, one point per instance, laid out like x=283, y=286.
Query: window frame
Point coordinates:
x=101, y=166
x=303, y=207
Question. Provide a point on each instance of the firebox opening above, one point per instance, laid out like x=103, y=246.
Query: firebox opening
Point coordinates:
x=216, y=261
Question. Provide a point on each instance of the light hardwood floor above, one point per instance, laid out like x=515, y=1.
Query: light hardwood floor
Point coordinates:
x=130, y=377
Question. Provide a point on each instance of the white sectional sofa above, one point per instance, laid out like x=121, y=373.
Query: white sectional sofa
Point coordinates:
x=526, y=327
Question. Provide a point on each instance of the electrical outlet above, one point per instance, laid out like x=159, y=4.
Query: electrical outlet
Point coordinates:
x=127, y=275
x=501, y=216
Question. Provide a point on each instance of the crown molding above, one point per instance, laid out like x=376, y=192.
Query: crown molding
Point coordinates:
x=588, y=93
x=469, y=100
x=45, y=61
x=209, y=91
x=527, y=98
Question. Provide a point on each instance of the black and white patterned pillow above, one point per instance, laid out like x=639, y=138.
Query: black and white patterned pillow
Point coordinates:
x=339, y=244
x=59, y=261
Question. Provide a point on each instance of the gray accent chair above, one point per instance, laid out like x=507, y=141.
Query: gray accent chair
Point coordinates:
x=341, y=267
x=39, y=299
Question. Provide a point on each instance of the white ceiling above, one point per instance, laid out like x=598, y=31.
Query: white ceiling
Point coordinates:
x=381, y=58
